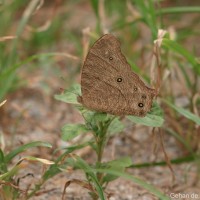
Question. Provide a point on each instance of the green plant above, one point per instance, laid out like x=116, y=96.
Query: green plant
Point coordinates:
x=7, y=61
x=15, y=50
x=102, y=126
x=179, y=72
x=9, y=186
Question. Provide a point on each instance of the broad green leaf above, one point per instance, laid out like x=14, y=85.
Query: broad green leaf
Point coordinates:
x=70, y=149
x=118, y=165
x=95, y=119
x=92, y=116
x=156, y=110
x=121, y=162
x=148, y=120
x=184, y=112
x=70, y=95
x=99, y=117
x=116, y=126
x=70, y=131
x=24, y=147
x=153, y=118
x=136, y=180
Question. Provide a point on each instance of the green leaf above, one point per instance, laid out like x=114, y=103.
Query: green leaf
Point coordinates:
x=148, y=12
x=136, y=180
x=148, y=120
x=174, y=46
x=57, y=167
x=52, y=171
x=70, y=131
x=186, y=159
x=116, y=126
x=153, y=118
x=1, y=156
x=81, y=164
x=13, y=54
x=99, y=117
x=118, y=165
x=70, y=149
x=94, y=119
x=184, y=112
x=93, y=116
x=24, y=147
x=95, y=5
x=177, y=10
x=70, y=95
x=180, y=139
x=13, y=171
x=7, y=75
x=3, y=167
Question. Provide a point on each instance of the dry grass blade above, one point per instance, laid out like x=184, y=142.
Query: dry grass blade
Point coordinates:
x=44, y=192
x=2, y=39
x=11, y=185
x=2, y=103
x=40, y=4
x=79, y=182
x=102, y=16
x=156, y=60
x=85, y=41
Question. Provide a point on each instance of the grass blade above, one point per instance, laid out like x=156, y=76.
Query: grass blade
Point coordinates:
x=136, y=180
x=172, y=45
x=184, y=112
x=22, y=148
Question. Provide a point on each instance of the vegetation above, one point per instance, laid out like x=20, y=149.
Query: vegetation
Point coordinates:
x=159, y=39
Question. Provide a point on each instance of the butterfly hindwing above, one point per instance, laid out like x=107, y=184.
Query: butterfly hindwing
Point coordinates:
x=109, y=85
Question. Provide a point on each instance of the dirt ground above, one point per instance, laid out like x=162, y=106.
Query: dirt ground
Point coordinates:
x=40, y=118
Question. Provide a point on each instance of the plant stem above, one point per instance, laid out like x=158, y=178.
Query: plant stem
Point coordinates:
x=101, y=139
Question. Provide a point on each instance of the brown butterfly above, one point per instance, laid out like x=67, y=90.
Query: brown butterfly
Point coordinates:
x=109, y=85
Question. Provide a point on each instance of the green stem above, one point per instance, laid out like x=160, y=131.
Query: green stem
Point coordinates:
x=101, y=142
x=101, y=139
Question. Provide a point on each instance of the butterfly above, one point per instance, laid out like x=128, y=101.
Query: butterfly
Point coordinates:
x=108, y=83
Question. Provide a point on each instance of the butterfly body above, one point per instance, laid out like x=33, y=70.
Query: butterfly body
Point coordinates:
x=109, y=85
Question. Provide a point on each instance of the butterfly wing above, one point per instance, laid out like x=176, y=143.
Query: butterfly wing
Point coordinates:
x=109, y=85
